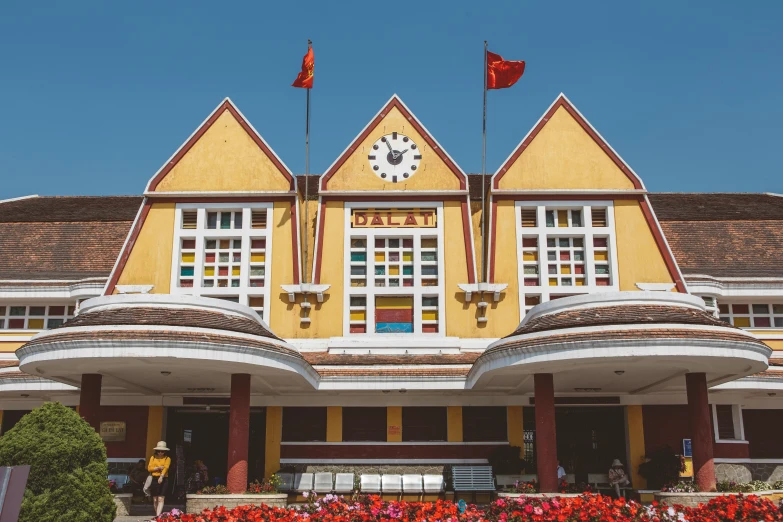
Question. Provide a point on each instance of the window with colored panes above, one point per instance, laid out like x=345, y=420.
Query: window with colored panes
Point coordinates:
x=222, y=252
x=34, y=317
x=565, y=250
x=752, y=315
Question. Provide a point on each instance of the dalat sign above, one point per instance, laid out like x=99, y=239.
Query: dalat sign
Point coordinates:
x=394, y=218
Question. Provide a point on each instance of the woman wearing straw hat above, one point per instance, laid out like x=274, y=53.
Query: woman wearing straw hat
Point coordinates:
x=159, y=470
x=617, y=476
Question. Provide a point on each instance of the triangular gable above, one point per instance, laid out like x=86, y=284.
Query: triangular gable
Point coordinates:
x=224, y=154
x=609, y=171
x=435, y=157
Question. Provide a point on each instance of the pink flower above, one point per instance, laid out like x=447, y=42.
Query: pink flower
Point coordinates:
x=538, y=511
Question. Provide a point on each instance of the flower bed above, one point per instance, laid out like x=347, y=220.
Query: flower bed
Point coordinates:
x=586, y=508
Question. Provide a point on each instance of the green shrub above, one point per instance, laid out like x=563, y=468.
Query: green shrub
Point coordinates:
x=68, y=470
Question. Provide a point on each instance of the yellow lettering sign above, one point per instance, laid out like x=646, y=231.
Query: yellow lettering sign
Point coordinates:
x=394, y=218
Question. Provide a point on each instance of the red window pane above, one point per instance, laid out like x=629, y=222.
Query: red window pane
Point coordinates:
x=16, y=323
x=529, y=242
x=258, y=243
x=579, y=269
x=601, y=282
x=531, y=282
x=761, y=322
x=186, y=283
x=407, y=243
x=380, y=242
x=599, y=242
x=429, y=328
x=188, y=244
x=209, y=257
x=223, y=271
x=56, y=310
x=740, y=309
x=358, y=328
x=565, y=256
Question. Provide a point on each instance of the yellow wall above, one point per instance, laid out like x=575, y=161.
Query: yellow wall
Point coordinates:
x=9, y=346
x=454, y=419
x=274, y=435
x=564, y=156
x=775, y=344
x=635, y=445
x=638, y=256
x=504, y=315
x=283, y=316
x=357, y=174
x=154, y=427
x=225, y=158
x=150, y=260
x=334, y=424
x=327, y=317
x=394, y=424
x=516, y=432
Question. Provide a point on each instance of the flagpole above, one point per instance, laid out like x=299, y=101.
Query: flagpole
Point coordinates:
x=483, y=178
x=307, y=179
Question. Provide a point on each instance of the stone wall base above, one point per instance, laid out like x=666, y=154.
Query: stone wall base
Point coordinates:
x=747, y=471
x=123, y=503
x=198, y=503
x=694, y=499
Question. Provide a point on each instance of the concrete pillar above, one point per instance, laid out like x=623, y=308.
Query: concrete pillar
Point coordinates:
x=394, y=424
x=334, y=424
x=90, y=400
x=454, y=426
x=154, y=428
x=701, y=431
x=274, y=435
x=546, y=434
x=635, y=436
x=238, y=433
x=515, y=430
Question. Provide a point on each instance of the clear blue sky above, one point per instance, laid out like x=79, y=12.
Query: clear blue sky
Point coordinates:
x=97, y=95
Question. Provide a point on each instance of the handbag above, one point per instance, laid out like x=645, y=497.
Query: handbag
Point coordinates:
x=147, y=484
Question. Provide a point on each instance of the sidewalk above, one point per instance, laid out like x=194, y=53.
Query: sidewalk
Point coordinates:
x=144, y=512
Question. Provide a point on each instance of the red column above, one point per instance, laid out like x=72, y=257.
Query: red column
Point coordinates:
x=546, y=436
x=701, y=431
x=238, y=433
x=90, y=400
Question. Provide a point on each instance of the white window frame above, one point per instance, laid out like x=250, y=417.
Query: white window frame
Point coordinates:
x=739, y=427
x=246, y=233
x=587, y=230
x=417, y=290
x=7, y=317
x=751, y=316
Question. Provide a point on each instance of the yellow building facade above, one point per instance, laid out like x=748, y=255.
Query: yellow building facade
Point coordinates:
x=369, y=329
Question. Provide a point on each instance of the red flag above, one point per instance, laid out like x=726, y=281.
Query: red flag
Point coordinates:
x=305, y=78
x=502, y=73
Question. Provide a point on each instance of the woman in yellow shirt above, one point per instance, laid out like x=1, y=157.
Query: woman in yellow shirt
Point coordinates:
x=159, y=469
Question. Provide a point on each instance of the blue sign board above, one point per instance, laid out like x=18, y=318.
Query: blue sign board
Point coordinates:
x=687, y=449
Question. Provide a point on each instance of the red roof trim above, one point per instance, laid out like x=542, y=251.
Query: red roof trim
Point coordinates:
x=563, y=102
x=394, y=102
x=225, y=106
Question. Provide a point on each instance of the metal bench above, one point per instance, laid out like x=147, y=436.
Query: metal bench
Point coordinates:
x=303, y=482
x=433, y=483
x=286, y=481
x=391, y=483
x=412, y=484
x=472, y=478
x=343, y=482
x=370, y=483
x=323, y=483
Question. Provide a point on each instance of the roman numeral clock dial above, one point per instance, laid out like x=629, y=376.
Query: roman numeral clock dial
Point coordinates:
x=394, y=157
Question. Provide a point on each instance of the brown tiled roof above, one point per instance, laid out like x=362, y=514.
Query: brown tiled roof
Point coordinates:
x=723, y=235
x=331, y=359
x=153, y=316
x=620, y=335
x=70, y=209
x=8, y=363
x=194, y=336
x=393, y=372
x=695, y=206
x=64, y=238
x=618, y=315
x=17, y=375
x=773, y=361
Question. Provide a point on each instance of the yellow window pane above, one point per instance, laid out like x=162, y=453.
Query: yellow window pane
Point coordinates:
x=580, y=282
x=209, y=270
x=35, y=324
x=429, y=243
x=257, y=257
x=429, y=282
x=225, y=243
x=235, y=271
x=429, y=315
x=552, y=281
x=407, y=256
x=357, y=282
x=601, y=256
x=565, y=269
x=393, y=302
x=530, y=256
x=380, y=257
x=358, y=315
x=394, y=270
x=742, y=322
x=562, y=218
x=188, y=257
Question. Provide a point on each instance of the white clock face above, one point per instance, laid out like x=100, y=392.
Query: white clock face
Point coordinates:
x=394, y=157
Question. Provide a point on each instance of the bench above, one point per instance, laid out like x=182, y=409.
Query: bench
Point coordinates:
x=472, y=478
x=343, y=482
x=600, y=481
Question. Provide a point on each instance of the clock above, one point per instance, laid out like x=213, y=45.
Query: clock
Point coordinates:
x=394, y=157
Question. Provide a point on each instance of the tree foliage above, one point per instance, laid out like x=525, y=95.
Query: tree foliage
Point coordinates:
x=68, y=470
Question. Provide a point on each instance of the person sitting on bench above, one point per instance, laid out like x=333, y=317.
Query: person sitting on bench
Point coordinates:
x=617, y=476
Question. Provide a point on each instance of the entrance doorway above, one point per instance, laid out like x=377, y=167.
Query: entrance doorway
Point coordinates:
x=590, y=438
x=202, y=434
